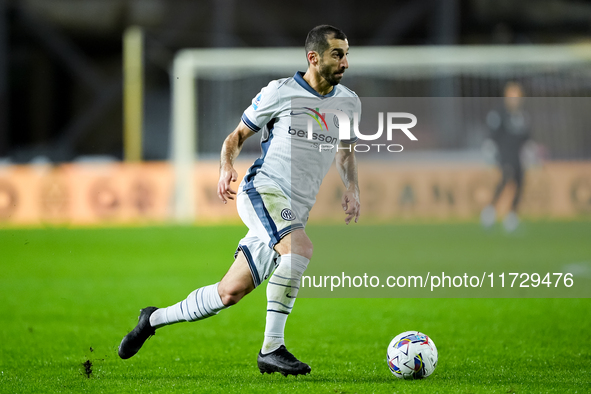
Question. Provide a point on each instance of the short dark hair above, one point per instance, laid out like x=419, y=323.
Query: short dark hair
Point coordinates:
x=317, y=39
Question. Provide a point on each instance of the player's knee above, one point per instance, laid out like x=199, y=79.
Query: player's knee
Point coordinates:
x=296, y=243
x=305, y=248
x=232, y=294
x=231, y=299
x=309, y=251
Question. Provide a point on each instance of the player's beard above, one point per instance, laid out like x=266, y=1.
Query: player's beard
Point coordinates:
x=330, y=76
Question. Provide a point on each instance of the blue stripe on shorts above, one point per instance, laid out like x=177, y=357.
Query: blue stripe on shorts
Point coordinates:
x=264, y=216
x=253, y=269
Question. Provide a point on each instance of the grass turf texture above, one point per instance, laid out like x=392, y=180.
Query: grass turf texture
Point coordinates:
x=65, y=291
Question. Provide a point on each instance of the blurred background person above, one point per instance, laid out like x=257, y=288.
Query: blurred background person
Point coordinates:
x=509, y=131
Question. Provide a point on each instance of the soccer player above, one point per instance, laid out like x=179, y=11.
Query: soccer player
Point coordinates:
x=275, y=197
x=510, y=130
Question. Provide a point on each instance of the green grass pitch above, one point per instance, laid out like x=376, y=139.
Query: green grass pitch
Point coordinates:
x=67, y=297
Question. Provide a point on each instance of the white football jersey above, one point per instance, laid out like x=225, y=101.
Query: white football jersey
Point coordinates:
x=290, y=159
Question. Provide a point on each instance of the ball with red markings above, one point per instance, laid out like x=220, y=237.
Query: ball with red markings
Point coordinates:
x=412, y=355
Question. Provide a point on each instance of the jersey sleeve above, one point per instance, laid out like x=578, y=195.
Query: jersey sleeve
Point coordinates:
x=265, y=106
x=357, y=109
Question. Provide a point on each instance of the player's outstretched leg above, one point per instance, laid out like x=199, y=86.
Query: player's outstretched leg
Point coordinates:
x=133, y=341
x=200, y=304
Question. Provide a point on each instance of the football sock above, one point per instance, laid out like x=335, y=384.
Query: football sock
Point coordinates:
x=200, y=304
x=282, y=290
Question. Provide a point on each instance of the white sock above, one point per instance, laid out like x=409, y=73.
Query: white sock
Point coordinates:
x=282, y=290
x=200, y=304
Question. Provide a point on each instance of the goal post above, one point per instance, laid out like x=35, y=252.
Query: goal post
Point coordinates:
x=189, y=64
x=386, y=62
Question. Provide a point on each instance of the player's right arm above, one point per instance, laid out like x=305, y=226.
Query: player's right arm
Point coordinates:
x=264, y=108
x=230, y=151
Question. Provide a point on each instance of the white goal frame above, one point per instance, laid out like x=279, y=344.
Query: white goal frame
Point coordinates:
x=189, y=64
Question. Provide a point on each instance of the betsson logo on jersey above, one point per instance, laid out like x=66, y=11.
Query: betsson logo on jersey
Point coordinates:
x=315, y=136
x=343, y=120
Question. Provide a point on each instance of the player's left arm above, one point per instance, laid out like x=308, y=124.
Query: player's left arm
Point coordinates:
x=347, y=167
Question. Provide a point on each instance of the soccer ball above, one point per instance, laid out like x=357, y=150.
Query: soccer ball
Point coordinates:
x=412, y=355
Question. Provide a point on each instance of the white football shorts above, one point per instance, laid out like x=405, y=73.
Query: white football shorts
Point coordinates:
x=267, y=213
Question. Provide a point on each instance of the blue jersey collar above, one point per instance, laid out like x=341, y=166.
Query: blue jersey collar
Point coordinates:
x=299, y=78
